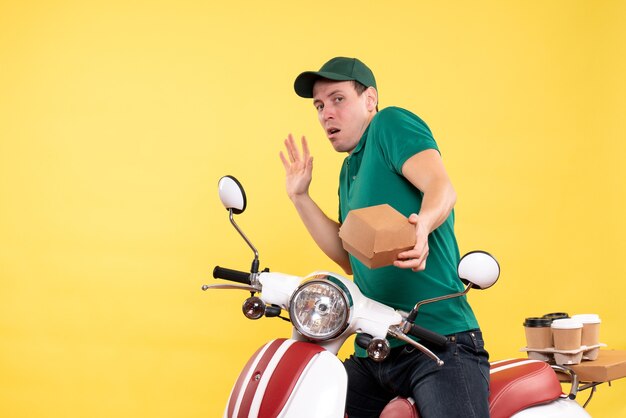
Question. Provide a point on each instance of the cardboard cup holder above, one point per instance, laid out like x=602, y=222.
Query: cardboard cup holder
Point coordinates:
x=592, y=353
x=566, y=340
x=564, y=357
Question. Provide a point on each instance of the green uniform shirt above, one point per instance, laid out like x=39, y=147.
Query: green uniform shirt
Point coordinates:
x=372, y=175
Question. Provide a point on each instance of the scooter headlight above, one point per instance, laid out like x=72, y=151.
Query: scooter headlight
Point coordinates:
x=320, y=309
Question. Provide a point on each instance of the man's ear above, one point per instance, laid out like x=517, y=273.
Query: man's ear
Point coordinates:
x=371, y=98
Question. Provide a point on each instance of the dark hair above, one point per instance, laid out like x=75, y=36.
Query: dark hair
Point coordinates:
x=360, y=88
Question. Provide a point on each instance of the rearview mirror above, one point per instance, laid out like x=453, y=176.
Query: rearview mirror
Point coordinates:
x=232, y=194
x=479, y=268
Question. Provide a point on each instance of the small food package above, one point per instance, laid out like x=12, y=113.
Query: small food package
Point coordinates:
x=375, y=235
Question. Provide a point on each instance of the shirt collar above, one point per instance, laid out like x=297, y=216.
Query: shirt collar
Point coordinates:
x=362, y=141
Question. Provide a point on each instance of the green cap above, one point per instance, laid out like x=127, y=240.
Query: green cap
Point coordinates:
x=338, y=69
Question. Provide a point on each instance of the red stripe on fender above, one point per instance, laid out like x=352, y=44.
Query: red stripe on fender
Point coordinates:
x=234, y=395
x=285, y=377
x=251, y=385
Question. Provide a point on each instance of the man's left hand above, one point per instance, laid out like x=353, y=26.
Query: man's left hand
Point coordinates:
x=415, y=259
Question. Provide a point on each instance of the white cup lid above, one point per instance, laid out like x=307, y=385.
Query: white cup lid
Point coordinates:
x=587, y=318
x=566, y=323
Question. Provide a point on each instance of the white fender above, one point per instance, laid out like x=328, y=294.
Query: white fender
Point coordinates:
x=561, y=408
x=288, y=378
x=321, y=390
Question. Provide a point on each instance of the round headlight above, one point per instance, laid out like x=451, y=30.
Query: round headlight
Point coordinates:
x=319, y=310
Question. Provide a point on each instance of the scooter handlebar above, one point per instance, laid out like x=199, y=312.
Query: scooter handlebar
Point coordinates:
x=428, y=335
x=232, y=275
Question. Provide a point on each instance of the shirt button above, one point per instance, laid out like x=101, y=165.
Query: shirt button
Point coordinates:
x=353, y=177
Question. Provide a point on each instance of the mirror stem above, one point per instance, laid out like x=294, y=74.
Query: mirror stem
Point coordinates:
x=413, y=313
x=255, y=263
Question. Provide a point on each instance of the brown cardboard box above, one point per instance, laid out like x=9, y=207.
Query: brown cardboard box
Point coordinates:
x=610, y=365
x=376, y=235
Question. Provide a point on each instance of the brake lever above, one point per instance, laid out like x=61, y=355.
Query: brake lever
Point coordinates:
x=248, y=288
x=396, y=332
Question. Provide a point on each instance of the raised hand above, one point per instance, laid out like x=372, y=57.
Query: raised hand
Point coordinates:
x=298, y=168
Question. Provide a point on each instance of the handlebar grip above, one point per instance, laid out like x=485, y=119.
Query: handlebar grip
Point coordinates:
x=232, y=275
x=428, y=335
x=363, y=340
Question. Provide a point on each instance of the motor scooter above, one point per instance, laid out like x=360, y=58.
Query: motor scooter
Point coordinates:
x=301, y=376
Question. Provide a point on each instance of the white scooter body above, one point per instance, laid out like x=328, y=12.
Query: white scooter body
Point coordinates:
x=291, y=377
x=367, y=315
x=559, y=408
x=298, y=378
x=288, y=378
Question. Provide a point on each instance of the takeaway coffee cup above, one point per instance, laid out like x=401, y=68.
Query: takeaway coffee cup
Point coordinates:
x=567, y=334
x=538, y=333
x=590, y=335
x=556, y=315
x=591, y=328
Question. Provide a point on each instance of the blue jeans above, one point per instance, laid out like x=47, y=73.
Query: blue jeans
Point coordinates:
x=459, y=388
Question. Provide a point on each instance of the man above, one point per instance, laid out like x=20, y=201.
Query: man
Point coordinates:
x=393, y=158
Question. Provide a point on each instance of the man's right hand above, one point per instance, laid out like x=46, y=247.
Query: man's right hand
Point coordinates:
x=325, y=231
x=298, y=168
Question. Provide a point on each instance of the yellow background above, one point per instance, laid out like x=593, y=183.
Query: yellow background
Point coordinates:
x=118, y=117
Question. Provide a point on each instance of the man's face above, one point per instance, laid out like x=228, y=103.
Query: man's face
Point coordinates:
x=342, y=112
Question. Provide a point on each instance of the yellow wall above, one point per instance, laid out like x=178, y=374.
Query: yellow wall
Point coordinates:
x=117, y=118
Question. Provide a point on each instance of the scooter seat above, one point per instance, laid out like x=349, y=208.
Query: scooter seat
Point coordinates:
x=515, y=385
x=400, y=408
x=519, y=384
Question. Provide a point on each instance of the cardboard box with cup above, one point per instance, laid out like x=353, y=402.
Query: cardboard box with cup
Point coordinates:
x=573, y=340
